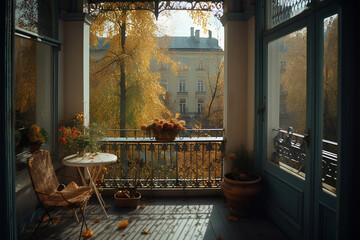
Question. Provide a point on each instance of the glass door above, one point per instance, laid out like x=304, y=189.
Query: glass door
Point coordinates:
x=300, y=127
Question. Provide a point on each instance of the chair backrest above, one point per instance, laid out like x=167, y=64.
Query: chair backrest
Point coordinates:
x=42, y=172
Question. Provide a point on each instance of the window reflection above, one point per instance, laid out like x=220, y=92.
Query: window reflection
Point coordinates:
x=35, y=16
x=33, y=93
x=330, y=104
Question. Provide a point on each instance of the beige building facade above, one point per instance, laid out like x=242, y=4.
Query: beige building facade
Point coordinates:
x=189, y=90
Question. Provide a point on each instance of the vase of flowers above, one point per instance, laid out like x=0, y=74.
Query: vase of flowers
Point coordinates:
x=36, y=137
x=77, y=138
x=164, y=130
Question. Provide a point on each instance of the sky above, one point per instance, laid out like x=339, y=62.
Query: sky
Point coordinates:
x=179, y=25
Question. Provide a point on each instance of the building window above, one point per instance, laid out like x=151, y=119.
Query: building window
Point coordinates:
x=183, y=105
x=163, y=83
x=200, y=65
x=200, y=86
x=200, y=105
x=182, y=85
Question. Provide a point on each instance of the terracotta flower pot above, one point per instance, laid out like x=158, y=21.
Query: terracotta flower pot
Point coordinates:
x=240, y=194
x=128, y=202
x=165, y=136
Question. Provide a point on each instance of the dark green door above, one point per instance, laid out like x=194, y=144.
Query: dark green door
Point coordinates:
x=300, y=127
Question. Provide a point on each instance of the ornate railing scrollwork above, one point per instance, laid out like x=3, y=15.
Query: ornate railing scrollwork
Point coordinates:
x=214, y=6
x=289, y=148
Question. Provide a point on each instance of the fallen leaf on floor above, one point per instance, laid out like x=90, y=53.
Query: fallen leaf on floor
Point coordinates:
x=87, y=233
x=232, y=218
x=91, y=212
x=143, y=206
x=123, y=224
x=46, y=218
x=69, y=212
x=96, y=220
x=58, y=220
x=144, y=231
x=130, y=221
x=219, y=237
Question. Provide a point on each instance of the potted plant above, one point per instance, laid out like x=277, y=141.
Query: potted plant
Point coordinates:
x=164, y=130
x=36, y=137
x=129, y=196
x=241, y=184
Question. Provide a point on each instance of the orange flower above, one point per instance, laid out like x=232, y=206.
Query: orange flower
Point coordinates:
x=62, y=128
x=159, y=127
x=73, y=129
x=123, y=224
x=66, y=133
x=76, y=133
x=87, y=233
x=62, y=140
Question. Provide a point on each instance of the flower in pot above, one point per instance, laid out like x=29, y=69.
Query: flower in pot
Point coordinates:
x=36, y=137
x=164, y=130
x=241, y=184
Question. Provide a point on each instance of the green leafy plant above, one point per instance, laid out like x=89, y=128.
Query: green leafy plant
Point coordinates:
x=242, y=165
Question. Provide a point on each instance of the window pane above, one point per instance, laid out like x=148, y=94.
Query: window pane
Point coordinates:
x=33, y=93
x=35, y=16
x=330, y=104
x=282, y=10
x=287, y=101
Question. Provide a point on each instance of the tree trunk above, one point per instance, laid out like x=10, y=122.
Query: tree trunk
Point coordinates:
x=122, y=84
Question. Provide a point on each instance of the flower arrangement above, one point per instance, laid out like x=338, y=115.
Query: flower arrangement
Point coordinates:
x=164, y=130
x=36, y=135
x=78, y=138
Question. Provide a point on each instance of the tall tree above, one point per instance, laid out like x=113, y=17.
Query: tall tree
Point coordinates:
x=124, y=93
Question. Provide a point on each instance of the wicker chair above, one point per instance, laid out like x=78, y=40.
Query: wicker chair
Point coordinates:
x=46, y=184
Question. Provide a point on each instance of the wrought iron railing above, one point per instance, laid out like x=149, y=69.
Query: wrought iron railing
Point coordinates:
x=194, y=159
x=290, y=150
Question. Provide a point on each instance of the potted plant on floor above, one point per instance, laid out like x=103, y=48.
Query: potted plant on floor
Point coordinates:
x=241, y=184
x=129, y=196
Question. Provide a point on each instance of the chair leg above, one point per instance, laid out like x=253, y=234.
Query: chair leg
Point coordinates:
x=82, y=210
x=75, y=215
x=40, y=221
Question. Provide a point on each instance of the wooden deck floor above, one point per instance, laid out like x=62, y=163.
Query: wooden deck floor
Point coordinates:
x=163, y=218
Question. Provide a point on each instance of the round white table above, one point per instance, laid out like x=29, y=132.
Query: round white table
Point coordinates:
x=97, y=160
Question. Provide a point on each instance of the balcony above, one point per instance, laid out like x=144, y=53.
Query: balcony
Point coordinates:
x=193, y=160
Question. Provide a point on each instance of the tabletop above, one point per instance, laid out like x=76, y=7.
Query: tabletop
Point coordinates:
x=89, y=159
